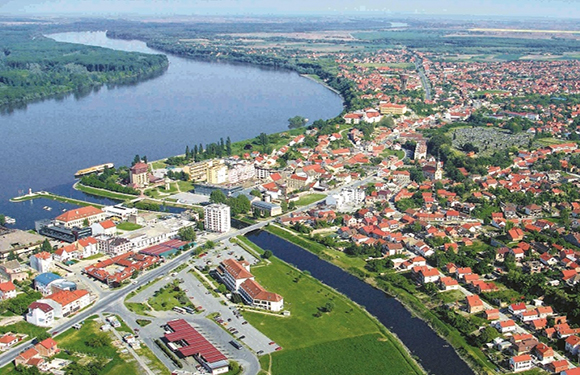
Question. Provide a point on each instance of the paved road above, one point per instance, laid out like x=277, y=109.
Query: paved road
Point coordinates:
x=114, y=297
x=424, y=80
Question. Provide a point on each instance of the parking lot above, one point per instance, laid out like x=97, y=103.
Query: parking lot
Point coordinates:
x=220, y=330
x=223, y=251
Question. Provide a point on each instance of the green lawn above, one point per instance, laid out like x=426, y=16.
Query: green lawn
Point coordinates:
x=325, y=344
x=104, y=193
x=185, y=186
x=95, y=256
x=23, y=327
x=367, y=354
x=168, y=297
x=76, y=341
x=138, y=308
x=128, y=226
x=311, y=198
x=158, y=164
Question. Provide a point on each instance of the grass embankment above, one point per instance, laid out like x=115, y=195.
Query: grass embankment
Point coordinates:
x=345, y=340
x=474, y=356
x=103, y=192
x=334, y=256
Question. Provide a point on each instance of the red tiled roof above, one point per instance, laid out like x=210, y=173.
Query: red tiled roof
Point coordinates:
x=79, y=213
x=7, y=287
x=236, y=269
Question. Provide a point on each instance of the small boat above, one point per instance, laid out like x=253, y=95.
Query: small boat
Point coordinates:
x=9, y=220
x=47, y=208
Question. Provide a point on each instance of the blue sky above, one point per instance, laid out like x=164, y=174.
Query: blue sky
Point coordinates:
x=542, y=8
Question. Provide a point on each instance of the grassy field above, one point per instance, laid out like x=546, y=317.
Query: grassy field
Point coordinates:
x=138, y=308
x=310, y=198
x=76, y=341
x=23, y=327
x=168, y=297
x=128, y=226
x=325, y=344
x=367, y=354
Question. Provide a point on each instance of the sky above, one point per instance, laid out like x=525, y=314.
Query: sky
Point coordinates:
x=517, y=8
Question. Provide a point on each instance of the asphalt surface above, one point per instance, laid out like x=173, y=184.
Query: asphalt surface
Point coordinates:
x=112, y=301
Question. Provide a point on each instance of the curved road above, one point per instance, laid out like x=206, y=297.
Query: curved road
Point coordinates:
x=110, y=302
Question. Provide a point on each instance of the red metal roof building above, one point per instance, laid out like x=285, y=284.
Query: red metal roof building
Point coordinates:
x=190, y=342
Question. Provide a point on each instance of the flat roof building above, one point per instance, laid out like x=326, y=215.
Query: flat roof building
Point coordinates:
x=217, y=218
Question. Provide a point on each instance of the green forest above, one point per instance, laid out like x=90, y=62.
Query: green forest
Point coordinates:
x=34, y=67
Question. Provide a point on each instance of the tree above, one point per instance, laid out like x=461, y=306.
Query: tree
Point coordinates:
x=136, y=159
x=431, y=289
x=222, y=289
x=228, y=146
x=86, y=223
x=2, y=219
x=256, y=193
x=296, y=122
x=328, y=307
x=187, y=234
x=187, y=154
x=46, y=246
x=267, y=254
x=42, y=336
x=217, y=196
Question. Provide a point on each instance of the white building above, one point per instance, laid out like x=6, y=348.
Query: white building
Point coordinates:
x=120, y=211
x=521, y=363
x=7, y=290
x=241, y=172
x=234, y=273
x=237, y=277
x=66, y=302
x=80, y=216
x=113, y=246
x=217, y=218
x=347, y=197
x=40, y=314
x=255, y=295
x=41, y=262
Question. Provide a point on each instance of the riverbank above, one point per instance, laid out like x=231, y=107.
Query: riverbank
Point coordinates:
x=96, y=68
x=315, y=340
x=471, y=355
x=317, y=79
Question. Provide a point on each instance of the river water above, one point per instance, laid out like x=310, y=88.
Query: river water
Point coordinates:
x=45, y=143
x=434, y=354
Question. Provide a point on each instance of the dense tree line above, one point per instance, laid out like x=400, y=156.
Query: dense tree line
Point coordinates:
x=107, y=180
x=33, y=66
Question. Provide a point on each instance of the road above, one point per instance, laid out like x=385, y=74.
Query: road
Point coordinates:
x=115, y=297
x=424, y=80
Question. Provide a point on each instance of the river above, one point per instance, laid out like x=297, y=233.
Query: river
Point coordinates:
x=434, y=354
x=193, y=102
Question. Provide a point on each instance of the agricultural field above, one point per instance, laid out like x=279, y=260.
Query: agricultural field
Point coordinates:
x=325, y=330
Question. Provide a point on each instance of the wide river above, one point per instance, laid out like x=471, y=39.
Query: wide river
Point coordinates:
x=193, y=102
